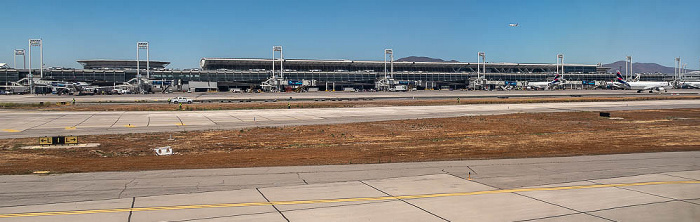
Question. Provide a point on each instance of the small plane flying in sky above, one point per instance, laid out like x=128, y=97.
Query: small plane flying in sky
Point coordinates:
x=513, y=24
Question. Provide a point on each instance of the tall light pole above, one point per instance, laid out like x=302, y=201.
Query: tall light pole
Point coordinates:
x=560, y=64
x=480, y=56
x=628, y=67
x=35, y=42
x=277, y=49
x=677, y=68
x=139, y=46
x=557, y=64
x=20, y=52
x=560, y=59
x=389, y=52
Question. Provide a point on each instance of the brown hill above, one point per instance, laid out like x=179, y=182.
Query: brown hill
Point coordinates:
x=422, y=59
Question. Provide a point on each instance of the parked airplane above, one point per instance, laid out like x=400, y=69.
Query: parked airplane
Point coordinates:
x=690, y=84
x=641, y=85
x=545, y=85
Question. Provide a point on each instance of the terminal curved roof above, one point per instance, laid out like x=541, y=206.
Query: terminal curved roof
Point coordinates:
x=120, y=64
x=243, y=63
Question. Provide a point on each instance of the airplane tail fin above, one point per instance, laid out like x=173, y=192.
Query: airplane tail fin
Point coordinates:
x=620, y=79
x=556, y=79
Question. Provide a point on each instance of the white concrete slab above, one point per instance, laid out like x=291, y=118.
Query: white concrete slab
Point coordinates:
x=344, y=211
x=669, y=211
x=64, y=121
x=238, y=196
x=676, y=191
x=267, y=217
x=696, y=201
x=428, y=184
x=194, y=119
x=221, y=117
x=580, y=217
x=249, y=117
x=164, y=120
x=339, y=190
x=694, y=174
x=279, y=117
x=103, y=121
x=25, y=123
x=369, y=174
x=489, y=207
x=638, y=179
x=578, y=183
x=139, y=184
x=590, y=199
x=87, y=205
x=375, y=211
x=133, y=119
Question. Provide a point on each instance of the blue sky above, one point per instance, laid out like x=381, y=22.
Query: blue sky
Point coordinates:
x=182, y=32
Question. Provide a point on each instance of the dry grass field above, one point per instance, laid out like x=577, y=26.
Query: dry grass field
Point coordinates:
x=477, y=137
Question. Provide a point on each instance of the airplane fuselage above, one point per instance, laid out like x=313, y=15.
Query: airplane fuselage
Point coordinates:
x=645, y=85
x=695, y=85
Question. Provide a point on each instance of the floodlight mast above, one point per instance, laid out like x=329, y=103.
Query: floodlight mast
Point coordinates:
x=281, y=76
x=560, y=60
x=681, y=70
x=677, y=68
x=480, y=57
x=278, y=49
x=35, y=42
x=20, y=52
x=478, y=65
x=142, y=45
x=628, y=67
x=389, y=52
x=560, y=64
x=273, y=62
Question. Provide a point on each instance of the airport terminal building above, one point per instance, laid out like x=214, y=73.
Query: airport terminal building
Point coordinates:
x=251, y=73
x=121, y=64
x=378, y=66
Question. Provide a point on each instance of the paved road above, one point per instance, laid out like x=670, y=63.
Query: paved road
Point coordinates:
x=333, y=95
x=17, y=124
x=626, y=187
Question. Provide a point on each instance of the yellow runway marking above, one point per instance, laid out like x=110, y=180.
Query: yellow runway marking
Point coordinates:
x=294, y=202
x=70, y=127
x=180, y=124
x=130, y=126
x=11, y=130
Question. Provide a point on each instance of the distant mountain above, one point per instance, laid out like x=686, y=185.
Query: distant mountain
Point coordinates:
x=422, y=59
x=640, y=67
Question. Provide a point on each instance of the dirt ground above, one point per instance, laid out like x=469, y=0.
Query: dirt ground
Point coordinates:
x=318, y=104
x=478, y=137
